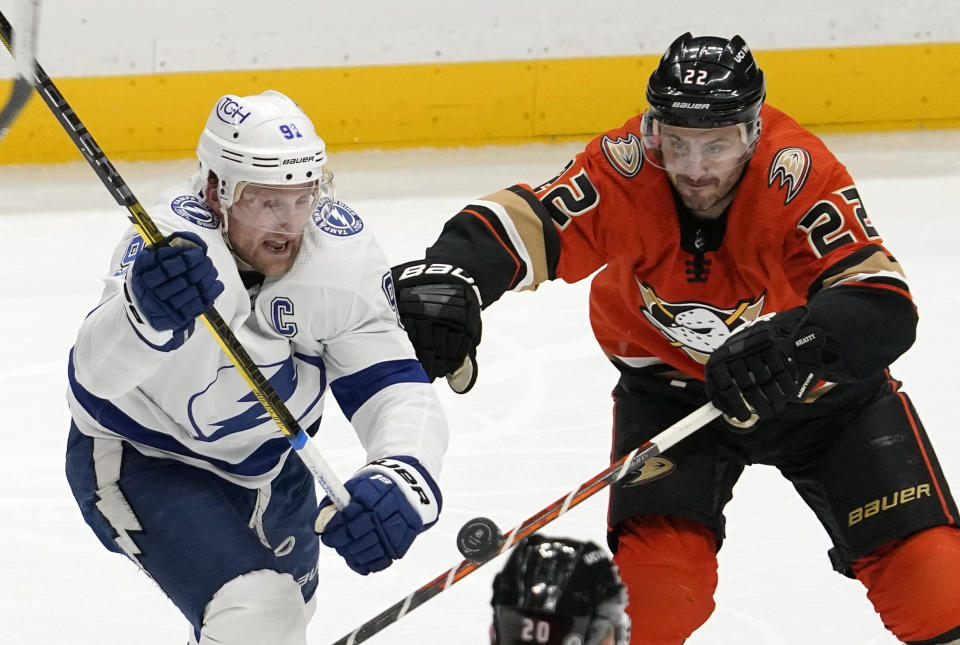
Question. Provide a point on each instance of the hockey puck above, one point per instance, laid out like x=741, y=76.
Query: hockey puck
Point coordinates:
x=479, y=540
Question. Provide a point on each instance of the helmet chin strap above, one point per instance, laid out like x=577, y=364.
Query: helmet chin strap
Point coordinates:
x=242, y=263
x=224, y=221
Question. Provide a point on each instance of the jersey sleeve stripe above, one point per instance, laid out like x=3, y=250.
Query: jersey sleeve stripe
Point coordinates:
x=551, y=238
x=879, y=285
x=883, y=277
x=477, y=212
x=518, y=241
x=353, y=390
x=870, y=260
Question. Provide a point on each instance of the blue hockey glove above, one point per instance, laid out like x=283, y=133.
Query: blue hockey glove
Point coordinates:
x=391, y=502
x=765, y=365
x=174, y=283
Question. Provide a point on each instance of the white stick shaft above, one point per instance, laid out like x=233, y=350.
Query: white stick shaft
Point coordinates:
x=686, y=426
x=26, y=16
x=321, y=470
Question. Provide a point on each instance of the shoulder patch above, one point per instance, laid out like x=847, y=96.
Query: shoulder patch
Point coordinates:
x=195, y=211
x=624, y=155
x=792, y=166
x=338, y=219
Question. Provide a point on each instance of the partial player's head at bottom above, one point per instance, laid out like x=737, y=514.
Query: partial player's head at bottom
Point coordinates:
x=559, y=591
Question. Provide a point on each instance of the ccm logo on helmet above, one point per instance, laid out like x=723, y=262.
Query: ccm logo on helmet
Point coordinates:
x=230, y=111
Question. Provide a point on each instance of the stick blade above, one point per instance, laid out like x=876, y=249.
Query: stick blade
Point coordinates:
x=22, y=44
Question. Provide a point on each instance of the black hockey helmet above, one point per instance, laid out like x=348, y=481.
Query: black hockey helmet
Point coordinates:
x=706, y=82
x=558, y=591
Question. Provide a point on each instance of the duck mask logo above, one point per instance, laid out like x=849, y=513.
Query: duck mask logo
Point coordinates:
x=697, y=328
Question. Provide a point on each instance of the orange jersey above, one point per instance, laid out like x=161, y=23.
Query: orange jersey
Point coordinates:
x=672, y=288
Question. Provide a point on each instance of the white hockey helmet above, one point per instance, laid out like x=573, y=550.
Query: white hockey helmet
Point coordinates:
x=263, y=139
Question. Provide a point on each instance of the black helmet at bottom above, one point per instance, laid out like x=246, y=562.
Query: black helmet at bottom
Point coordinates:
x=558, y=591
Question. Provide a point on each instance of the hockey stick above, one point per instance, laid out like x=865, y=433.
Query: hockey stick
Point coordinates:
x=24, y=49
x=258, y=383
x=669, y=437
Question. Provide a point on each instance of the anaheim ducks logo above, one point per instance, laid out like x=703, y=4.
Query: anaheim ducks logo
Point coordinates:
x=697, y=328
x=653, y=469
x=623, y=154
x=791, y=165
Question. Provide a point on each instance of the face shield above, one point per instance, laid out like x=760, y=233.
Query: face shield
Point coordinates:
x=697, y=151
x=281, y=209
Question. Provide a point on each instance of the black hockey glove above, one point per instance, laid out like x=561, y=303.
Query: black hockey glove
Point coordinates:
x=440, y=309
x=765, y=365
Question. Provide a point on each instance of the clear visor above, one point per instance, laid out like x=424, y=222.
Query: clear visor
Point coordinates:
x=280, y=209
x=678, y=150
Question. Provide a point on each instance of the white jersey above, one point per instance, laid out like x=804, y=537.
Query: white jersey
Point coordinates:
x=330, y=321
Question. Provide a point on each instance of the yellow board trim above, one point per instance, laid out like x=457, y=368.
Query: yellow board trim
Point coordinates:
x=159, y=116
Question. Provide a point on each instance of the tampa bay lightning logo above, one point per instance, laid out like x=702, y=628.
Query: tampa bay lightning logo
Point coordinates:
x=336, y=218
x=193, y=210
x=213, y=416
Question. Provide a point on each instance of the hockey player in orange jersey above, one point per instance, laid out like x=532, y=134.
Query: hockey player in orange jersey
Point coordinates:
x=739, y=266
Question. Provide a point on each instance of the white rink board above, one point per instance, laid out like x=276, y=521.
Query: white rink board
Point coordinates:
x=107, y=37
x=535, y=426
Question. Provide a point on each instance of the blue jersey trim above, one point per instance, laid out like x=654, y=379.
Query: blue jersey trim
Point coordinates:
x=260, y=461
x=353, y=390
x=179, y=337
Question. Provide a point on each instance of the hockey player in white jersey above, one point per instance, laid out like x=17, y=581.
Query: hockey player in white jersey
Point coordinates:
x=174, y=462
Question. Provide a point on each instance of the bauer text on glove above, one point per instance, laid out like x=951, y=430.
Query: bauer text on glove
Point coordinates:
x=392, y=500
